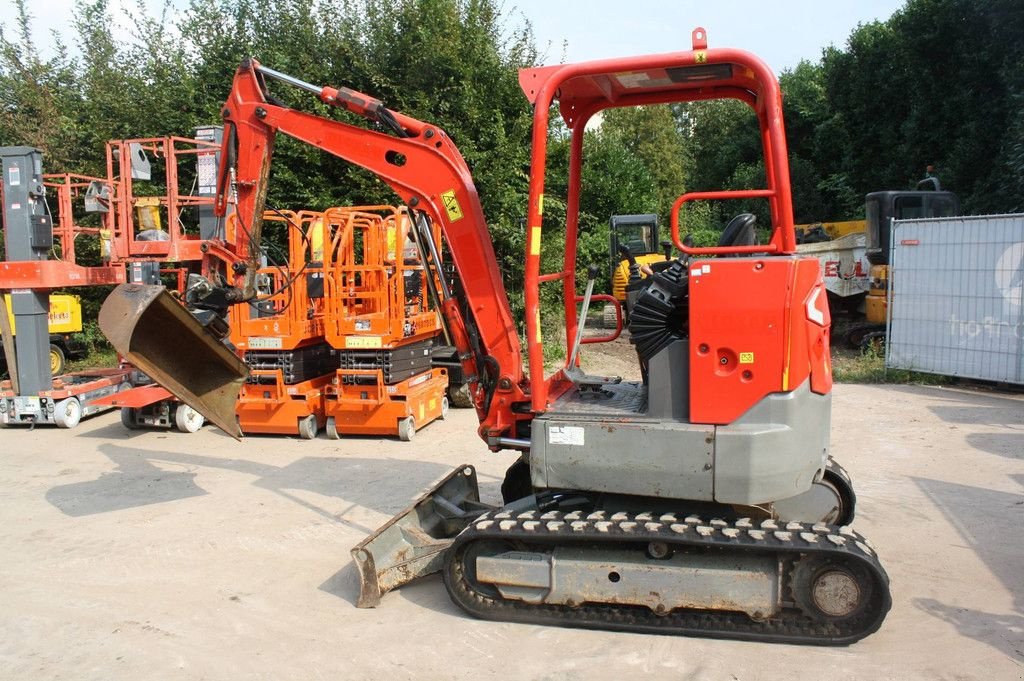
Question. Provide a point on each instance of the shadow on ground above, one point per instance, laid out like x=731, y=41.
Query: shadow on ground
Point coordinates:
x=1010, y=445
x=383, y=485
x=992, y=524
x=135, y=482
x=117, y=431
x=971, y=407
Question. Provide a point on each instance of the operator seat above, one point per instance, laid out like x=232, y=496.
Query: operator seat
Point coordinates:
x=740, y=231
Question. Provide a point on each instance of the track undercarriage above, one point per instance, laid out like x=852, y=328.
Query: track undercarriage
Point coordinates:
x=559, y=559
x=769, y=581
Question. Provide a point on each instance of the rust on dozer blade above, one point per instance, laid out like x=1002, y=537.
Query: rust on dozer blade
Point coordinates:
x=413, y=543
x=158, y=335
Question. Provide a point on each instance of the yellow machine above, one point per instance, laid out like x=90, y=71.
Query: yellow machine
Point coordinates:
x=850, y=250
x=833, y=229
x=881, y=209
x=632, y=239
x=65, y=318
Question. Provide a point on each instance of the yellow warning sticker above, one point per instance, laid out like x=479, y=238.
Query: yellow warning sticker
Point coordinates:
x=700, y=56
x=746, y=358
x=451, y=205
x=535, y=240
x=363, y=342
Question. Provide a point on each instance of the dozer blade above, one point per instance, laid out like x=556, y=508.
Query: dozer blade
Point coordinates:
x=159, y=336
x=413, y=543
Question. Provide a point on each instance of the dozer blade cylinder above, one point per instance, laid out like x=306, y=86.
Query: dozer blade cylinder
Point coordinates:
x=413, y=543
x=158, y=335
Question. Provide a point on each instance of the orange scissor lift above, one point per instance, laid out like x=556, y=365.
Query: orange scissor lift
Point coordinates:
x=379, y=317
x=282, y=336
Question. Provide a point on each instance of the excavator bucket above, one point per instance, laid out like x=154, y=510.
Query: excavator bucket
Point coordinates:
x=158, y=335
x=413, y=543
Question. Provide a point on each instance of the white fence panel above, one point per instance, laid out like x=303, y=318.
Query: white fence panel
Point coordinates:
x=956, y=297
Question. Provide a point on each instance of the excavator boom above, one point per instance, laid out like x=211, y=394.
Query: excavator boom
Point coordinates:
x=425, y=169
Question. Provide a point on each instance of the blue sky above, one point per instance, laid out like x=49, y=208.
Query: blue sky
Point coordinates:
x=782, y=32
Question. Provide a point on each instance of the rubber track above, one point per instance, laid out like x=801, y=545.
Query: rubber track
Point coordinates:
x=791, y=541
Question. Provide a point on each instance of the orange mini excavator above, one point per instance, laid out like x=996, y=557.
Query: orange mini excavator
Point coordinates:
x=701, y=500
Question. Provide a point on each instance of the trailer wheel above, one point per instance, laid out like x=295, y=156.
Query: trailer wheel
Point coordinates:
x=128, y=419
x=406, y=429
x=331, y=429
x=187, y=419
x=57, y=360
x=444, y=408
x=307, y=427
x=67, y=413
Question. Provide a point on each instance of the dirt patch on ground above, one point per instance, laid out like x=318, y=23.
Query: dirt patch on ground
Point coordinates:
x=617, y=358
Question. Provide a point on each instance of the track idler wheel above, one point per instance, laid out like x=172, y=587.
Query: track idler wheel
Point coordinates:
x=830, y=590
x=830, y=500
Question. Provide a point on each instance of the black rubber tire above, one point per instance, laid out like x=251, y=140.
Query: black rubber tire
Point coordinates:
x=873, y=341
x=128, y=419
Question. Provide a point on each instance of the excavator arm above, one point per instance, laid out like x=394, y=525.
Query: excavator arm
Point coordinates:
x=422, y=165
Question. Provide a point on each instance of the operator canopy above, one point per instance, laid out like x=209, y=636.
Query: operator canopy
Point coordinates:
x=583, y=89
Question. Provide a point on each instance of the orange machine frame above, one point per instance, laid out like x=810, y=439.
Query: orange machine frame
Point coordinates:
x=297, y=319
x=366, y=291
x=277, y=407
x=366, y=282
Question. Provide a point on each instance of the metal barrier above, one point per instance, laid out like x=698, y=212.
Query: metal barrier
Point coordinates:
x=955, y=297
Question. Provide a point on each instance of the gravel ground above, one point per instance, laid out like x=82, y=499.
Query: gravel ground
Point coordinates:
x=155, y=555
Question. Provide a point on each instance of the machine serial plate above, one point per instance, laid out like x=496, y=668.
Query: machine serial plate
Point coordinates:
x=27, y=405
x=264, y=343
x=565, y=435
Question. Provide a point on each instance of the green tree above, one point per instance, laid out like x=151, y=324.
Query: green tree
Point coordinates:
x=37, y=97
x=653, y=136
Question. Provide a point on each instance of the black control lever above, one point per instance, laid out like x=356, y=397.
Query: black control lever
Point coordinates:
x=634, y=268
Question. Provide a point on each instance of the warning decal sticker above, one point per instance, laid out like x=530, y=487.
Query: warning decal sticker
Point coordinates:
x=451, y=205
